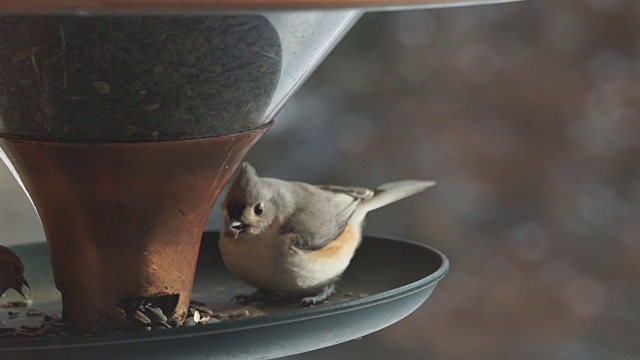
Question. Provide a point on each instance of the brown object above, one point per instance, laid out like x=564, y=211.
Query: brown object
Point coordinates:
x=154, y=6
x=11, y=272
x=124, y=220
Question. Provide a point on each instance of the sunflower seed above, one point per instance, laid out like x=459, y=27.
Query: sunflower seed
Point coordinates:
x=19, y=303
x=45, y=328
x=140, y=317
x=103, y=87
x=238, y=314
x=34, y=312
x=30, y=328
x=189, y=322
x=58, y=325
x=23, y=334
x=163, y=325
x=201, y=308
x=151, y=107
x=155, y=314
x=220, y=316
x=7, y=330
x=51, y=318
x=174, y=322
x=196, y=316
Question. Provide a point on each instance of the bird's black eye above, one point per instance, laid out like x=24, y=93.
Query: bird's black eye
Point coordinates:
x=258, y=210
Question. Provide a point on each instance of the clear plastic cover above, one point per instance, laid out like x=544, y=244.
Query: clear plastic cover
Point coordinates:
x=151, y=78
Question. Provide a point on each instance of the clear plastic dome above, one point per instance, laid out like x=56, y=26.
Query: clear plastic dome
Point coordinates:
x=150, y=78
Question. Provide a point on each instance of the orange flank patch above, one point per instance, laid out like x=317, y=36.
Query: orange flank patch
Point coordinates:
x=347, y=241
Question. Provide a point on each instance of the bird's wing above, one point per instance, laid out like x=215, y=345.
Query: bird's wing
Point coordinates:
x=329, y=216
x=355, y=192
x=344, y=206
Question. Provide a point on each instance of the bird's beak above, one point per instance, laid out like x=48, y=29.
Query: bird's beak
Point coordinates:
x=236, y=227
x=18, y=288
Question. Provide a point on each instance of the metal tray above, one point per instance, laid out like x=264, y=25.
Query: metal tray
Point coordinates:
x=386, y=281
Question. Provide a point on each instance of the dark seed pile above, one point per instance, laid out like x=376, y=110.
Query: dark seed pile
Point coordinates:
x=147, y=316
x=52, y=326
x=150, y=317
x=127, y=79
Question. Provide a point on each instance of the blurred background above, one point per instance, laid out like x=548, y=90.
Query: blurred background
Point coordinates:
x=527, y=116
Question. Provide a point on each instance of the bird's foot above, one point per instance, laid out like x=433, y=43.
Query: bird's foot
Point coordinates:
x=327, y=291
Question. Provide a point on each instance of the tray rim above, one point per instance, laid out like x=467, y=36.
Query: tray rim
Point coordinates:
x=197, y=7
x=8, y=345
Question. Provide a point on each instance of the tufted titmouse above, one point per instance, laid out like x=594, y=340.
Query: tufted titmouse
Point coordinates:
x=11, y=272
x=296, y=239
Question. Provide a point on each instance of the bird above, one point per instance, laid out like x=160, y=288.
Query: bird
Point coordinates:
x=292, y=239
x=11, y=272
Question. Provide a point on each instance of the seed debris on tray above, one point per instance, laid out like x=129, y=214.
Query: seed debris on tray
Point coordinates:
x=17, y=304
x=144, y=314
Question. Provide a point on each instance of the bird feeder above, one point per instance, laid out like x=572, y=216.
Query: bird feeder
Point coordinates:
x=122, y=120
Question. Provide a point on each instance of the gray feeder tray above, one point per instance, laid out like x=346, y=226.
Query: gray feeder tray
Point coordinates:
x=387, y=280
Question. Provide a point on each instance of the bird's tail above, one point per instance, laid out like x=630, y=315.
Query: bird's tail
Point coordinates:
x=394, y=191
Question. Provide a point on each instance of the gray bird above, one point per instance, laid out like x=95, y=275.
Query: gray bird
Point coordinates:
x=11, y=272
x=292, y=239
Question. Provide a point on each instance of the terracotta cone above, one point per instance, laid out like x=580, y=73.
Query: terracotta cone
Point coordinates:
x=124, y=220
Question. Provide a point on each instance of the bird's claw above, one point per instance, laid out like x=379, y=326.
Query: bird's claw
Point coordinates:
x=241, y=299
x=327, y=291
x=309, y=301
x=269, y=296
